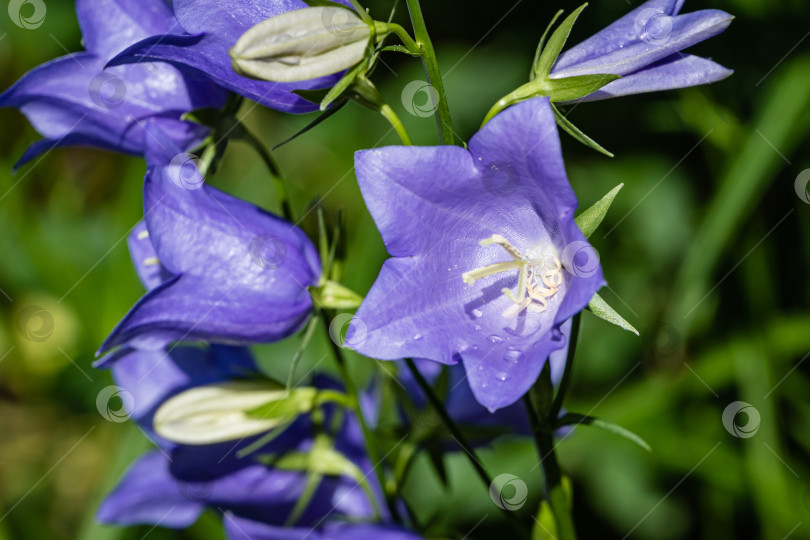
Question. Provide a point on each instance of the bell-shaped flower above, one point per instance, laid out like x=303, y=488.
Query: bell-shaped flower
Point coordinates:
x=231, y=272
x=172, y=485
x=487, y=263
x=644, y=47
x=211, y=28
x=75, y=101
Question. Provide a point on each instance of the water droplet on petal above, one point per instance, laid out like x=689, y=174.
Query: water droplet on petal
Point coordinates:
x=512, y=356
x=495, y=339
x=417, y=337
x=502, y=376
x=477, y=312
x=477, y=328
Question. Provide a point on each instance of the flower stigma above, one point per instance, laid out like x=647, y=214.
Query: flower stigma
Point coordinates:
x=539, y=276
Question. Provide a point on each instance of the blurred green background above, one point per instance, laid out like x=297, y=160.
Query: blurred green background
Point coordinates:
x=705, y=251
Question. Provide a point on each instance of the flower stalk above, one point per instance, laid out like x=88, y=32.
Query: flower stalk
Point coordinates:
x=434, y=76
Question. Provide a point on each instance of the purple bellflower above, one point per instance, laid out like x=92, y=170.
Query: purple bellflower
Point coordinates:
x=644, y=47
x=211, y=28
x=222, y=269
x=487, y=263
x=74, y=101
x=171, y=486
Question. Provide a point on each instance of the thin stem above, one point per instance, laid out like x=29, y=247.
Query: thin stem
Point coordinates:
x=434, y=76
x=394, y=120
x=557, y=499
x=275, y=173
x=404, y=36
x=573, y=338
x=370, y=440
x=462, y=442
x=438, y=406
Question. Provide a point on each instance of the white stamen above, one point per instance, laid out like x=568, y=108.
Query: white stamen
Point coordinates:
x=532, y=293
x=143, y=234
x=151, y=261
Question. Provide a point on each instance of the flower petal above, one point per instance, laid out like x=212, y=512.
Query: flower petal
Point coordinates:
x=615, y=36
x=649, y=45
x=677, y=71
x=145, y=259
x=216, y=26
x=149, y=494
x=109, y=26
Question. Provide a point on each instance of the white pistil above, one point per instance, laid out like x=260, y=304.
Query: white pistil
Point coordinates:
x=537, y=279
x=151, y=261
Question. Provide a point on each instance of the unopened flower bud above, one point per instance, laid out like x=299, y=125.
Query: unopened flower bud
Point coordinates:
x=302, y=44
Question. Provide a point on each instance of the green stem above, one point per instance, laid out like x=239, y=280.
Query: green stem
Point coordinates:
x=403, y=35
x=275, y=173
x=434, y=76
x=462, y=442
x=557, y=500
x=573, y=338
x=370, y=440
x=394, y=120
x=528, y=90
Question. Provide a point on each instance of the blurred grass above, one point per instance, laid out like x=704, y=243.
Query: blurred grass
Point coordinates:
x=672, y=235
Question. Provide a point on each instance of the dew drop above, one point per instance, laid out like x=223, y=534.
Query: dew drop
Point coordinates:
x=502, y=376
x=495, y=339
x=477, y=328
x=478, y=314
x=417, y=337
x=512, y=356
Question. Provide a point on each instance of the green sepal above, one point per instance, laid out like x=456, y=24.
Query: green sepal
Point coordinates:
x=542, y=44
x=576, y=133
x=298, y=401
x=324, y=3
x=313, y=96
x=601, y=309
x=333, y=295
x=590, y=219
x=584, y=419
x=343, y=84
x=321, y=117
x=571, y=88
x=556, y=42
x=398, y=48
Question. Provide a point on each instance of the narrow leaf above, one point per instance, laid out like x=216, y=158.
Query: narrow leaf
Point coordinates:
x=574, y=419
x=343, y=84
x=590, y=219
x=601, y=309
x=555, y=44
x=323, y=116
x=574, y=131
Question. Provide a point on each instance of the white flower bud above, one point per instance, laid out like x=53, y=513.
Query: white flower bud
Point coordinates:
x=218, y=412
x=302, y=44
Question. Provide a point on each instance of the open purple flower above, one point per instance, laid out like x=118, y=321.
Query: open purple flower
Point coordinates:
x=73, y=100
x=211, y=28
x=173, y=485
x=231, y=272
x=488, y=262
x=644, y=47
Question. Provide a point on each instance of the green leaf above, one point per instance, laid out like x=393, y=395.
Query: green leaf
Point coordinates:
x=590, y=219
x=542, y=44
x=601, y=309
x=583, y=419
x=571, y=88
x=575, y=132
x=555, y=44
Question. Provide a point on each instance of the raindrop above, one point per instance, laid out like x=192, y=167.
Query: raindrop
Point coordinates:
x=477, y=312
x=495, y=339
x=417, y=337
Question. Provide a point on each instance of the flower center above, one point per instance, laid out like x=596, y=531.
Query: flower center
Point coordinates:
x=539, y=276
